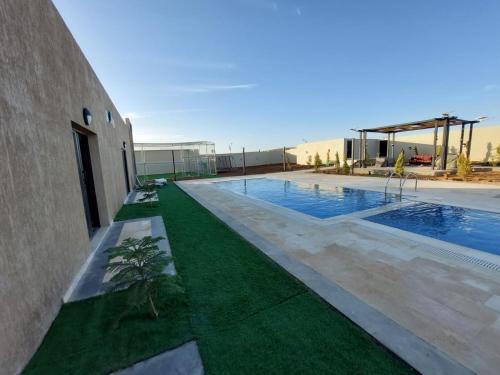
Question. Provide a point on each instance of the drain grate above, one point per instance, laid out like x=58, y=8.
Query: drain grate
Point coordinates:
x=468, y=259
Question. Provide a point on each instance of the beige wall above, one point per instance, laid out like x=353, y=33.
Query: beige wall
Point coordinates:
x=484, y=140
x=254, y=158
x=306, y=150
x=45, y=81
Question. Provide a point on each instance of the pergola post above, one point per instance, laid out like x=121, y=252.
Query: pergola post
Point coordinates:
x=434, y=154
x=444, y=152
x=461, y=139
x=469, y=143
x=360, y=148
x=392, y=148
x=352, y=155
x=365, y=139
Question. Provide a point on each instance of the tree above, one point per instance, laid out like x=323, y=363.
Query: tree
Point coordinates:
x=464, y=167
x=345, y=167
x=137, y=265
x=317, y=162
x=309, y=160
x=337, y=162
x=328, y=161
x=400, y=163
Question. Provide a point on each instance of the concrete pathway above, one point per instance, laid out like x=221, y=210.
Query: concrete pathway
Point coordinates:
x=184, y=360
x=95, y=279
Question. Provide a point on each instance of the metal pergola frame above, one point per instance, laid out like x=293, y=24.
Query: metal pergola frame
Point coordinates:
x=444, y=122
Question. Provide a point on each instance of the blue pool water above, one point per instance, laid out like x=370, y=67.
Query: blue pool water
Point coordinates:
x=472, y=228
x=308, y=199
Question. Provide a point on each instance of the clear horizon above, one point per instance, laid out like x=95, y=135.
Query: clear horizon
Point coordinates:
x=264, y=74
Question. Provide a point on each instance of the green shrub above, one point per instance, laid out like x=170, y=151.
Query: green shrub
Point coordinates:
x=328, y=161
x=345, y=167
x=464, y=167
x=439, y=151
x=317, y=162
x=337, y=162
x=400, y=163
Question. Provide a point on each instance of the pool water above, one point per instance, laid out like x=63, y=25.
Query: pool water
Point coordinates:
x=309, y=199
x=463, y=226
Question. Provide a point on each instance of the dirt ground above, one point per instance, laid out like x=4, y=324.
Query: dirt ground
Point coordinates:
x=477, y=177
x=261, y=169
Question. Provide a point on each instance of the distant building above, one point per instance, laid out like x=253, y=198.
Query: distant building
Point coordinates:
x=66, y=167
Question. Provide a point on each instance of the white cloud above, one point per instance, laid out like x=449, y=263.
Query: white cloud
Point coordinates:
x=213, y=88
x=491, y=87
x=298, y=10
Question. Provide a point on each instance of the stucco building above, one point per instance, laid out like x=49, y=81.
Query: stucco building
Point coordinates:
x=66, y=165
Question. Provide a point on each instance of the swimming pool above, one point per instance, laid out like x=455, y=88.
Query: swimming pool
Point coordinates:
x=463, y=226
x=309, y=199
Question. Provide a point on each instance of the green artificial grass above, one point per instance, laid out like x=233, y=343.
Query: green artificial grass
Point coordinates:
x=248, y=314
x=170, y=176
x=86, y=337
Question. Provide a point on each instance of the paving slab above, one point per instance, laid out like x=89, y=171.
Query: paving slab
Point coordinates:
x=95, y=279
x=184, y=360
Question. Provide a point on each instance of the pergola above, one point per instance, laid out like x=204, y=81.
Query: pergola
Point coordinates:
x=444, y=122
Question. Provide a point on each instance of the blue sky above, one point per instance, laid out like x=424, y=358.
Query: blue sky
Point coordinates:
x=263, y=74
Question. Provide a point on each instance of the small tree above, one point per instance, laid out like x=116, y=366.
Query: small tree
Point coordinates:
x=464, y=167
x=496, y=158
x=337, y=162
x=309, y=160
x=328, y=161
x=317, y=162
x=345, y=167
x=439, y=150
x=148, y=194
x=400, y=163
x=137, y=265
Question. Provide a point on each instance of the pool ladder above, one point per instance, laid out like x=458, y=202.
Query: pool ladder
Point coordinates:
x=402, y=181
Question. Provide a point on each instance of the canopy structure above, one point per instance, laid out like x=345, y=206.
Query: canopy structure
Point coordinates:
x=445, y=122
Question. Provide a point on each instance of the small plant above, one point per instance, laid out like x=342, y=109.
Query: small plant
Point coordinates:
x=367, y=159
x=439, y=151
x=148, y=194
x=328, y=161
x=337, y=162
x=400, y=163
x=137, y=265
x=345, y=167
x=317, y=162
x=464, y=167
x=496, y=158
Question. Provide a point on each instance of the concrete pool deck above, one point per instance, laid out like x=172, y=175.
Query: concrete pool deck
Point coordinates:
x=426, y=289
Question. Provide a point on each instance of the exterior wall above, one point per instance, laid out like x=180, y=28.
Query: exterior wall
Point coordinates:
x=484, y=141
x=307, y=150
x=254, y=158
x=45, y=81
x=303, y=151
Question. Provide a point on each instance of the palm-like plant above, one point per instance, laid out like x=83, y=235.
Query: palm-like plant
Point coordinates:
x=138, y=265
x=148, y=194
